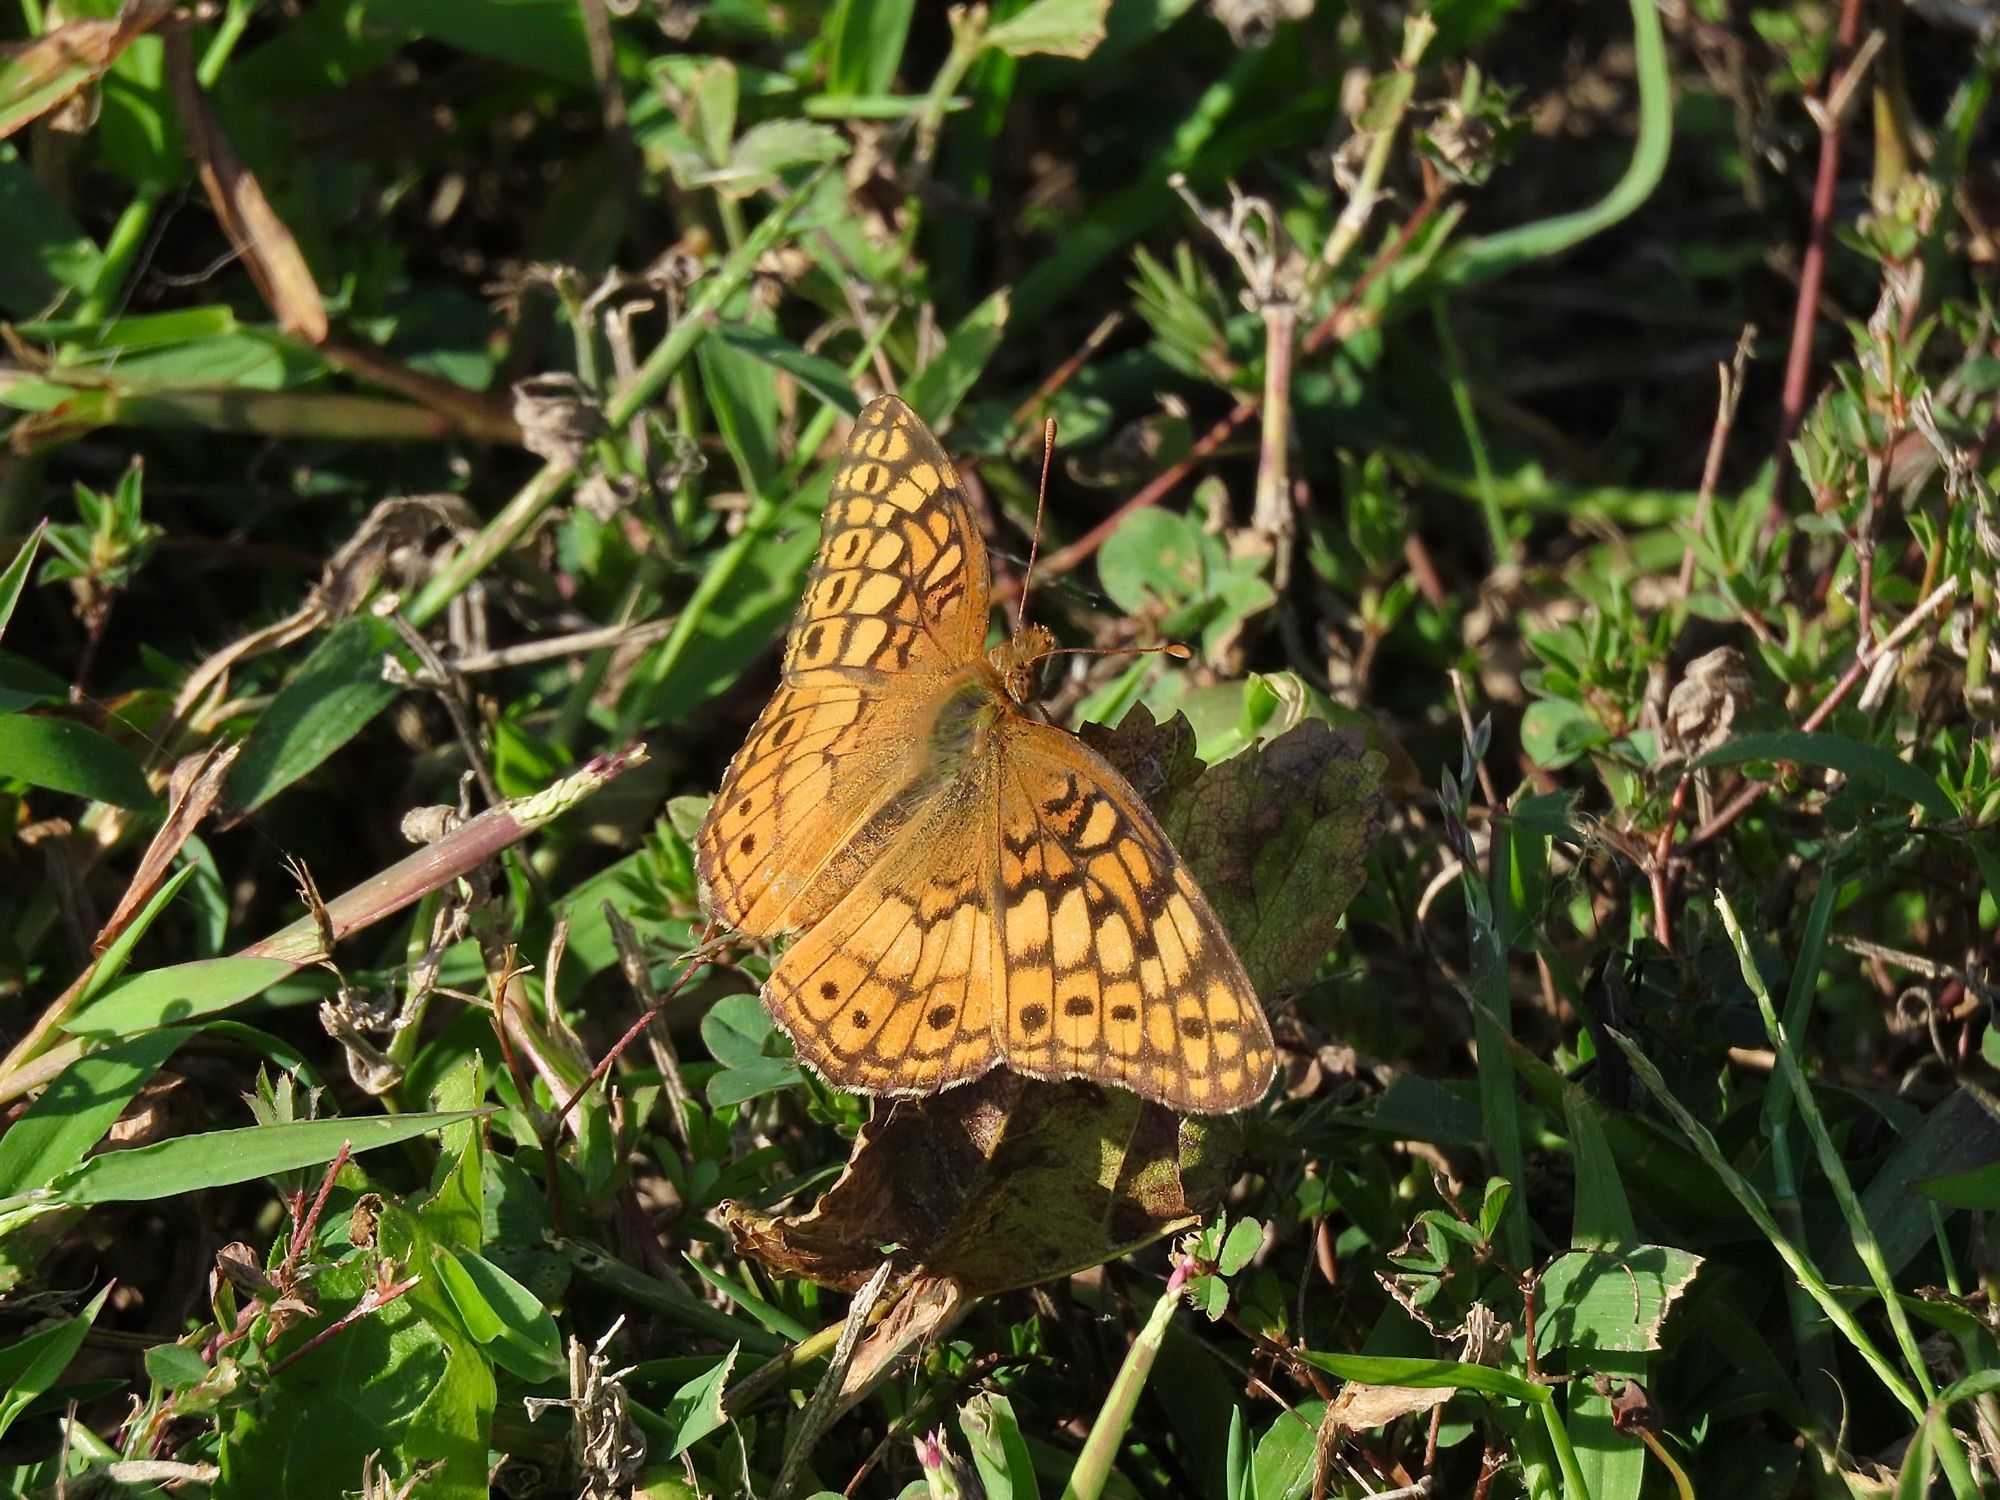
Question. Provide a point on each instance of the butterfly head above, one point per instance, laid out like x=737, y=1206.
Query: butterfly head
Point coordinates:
x=1019, y=659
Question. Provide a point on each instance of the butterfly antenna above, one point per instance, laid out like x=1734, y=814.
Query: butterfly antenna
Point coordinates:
x=1169, y=648
x=1041, y=502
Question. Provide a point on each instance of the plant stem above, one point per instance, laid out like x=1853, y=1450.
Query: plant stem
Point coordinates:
x=1482, y=259
x=1812, y=268
x=1866, y=1246
x=1107, y=1434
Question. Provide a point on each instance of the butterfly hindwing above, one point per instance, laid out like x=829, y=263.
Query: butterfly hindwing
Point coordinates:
x=1117, y=970
x=892, y=991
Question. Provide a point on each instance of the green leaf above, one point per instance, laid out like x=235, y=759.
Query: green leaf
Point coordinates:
x=1499, y=1192
x=1837, y=752
x=43, y=253
x=30, y=1366
x=1282, y=1467
x=328, y=700
x=75, y=1110
x=1154, y=557
x=174, y=1367
x=1613, y=1299
x=864, y=43
x=181, y=992
x=735, y=1029
x=999, y=1452
x=1245, y=1239
x=16, y=577
x=1060, y=28
x=220, y=1157
x=696, y=1408
x=764, y=152
x=1428, y=1374
x=65, y=756
x=1602, y=1217
x=542, y=36
x=24, y=684
x=743, y=393
x=822, y=377
x=740, y=1036
x=506, y=1318
x=1556, y=732
x=935, y=391
x=1957, y=1138
x=1978, y=1188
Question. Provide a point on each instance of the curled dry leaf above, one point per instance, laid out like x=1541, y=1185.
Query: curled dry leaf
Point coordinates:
x=1001, y=1183
x=195, y=787
x=1005, y=1182
x=39, y=76
x=558, y=417
x=1712, y=693
x=1360, y=1406
x=390, y=540
x=258, y=235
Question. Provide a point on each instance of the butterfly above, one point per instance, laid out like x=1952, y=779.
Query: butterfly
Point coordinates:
x=971, y=885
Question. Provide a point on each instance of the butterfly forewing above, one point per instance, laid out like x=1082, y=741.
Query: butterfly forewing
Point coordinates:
x=900, y=581
x=895, y=604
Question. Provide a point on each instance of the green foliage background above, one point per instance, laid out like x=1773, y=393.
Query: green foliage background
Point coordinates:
x=418, y=402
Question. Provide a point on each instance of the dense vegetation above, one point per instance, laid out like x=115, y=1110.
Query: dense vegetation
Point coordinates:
x=1561, y=434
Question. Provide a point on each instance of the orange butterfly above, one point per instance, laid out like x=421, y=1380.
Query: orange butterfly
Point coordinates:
x=972, y=885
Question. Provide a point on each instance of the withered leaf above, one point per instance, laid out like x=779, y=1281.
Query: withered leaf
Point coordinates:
x=1276, y=836
x=1360, y=1405
x=269, y=252
x=1002, y=1183
x=38, y=76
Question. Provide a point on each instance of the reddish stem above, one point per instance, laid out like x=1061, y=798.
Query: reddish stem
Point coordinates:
x=1812, y=267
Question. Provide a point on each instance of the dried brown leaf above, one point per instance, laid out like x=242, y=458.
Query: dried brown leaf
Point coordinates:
x=40, y=76
x=194, y=789
x=1001, y=1183
x=269, y=252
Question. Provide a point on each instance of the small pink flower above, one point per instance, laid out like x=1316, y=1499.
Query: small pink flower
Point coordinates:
x=930, y=1449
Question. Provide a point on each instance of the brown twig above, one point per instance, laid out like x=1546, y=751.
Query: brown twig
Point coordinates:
x=371, y=1301
x=694, y=966
x=1865, y=657
x=638, y=974
x=1731, y=378
x=1058, y=378
x=303, y=1224
x=1659, y=868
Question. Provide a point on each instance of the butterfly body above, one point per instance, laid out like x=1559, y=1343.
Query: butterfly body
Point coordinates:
x=971, y=885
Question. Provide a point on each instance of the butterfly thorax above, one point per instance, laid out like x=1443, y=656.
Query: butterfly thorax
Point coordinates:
x=1001, y=684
